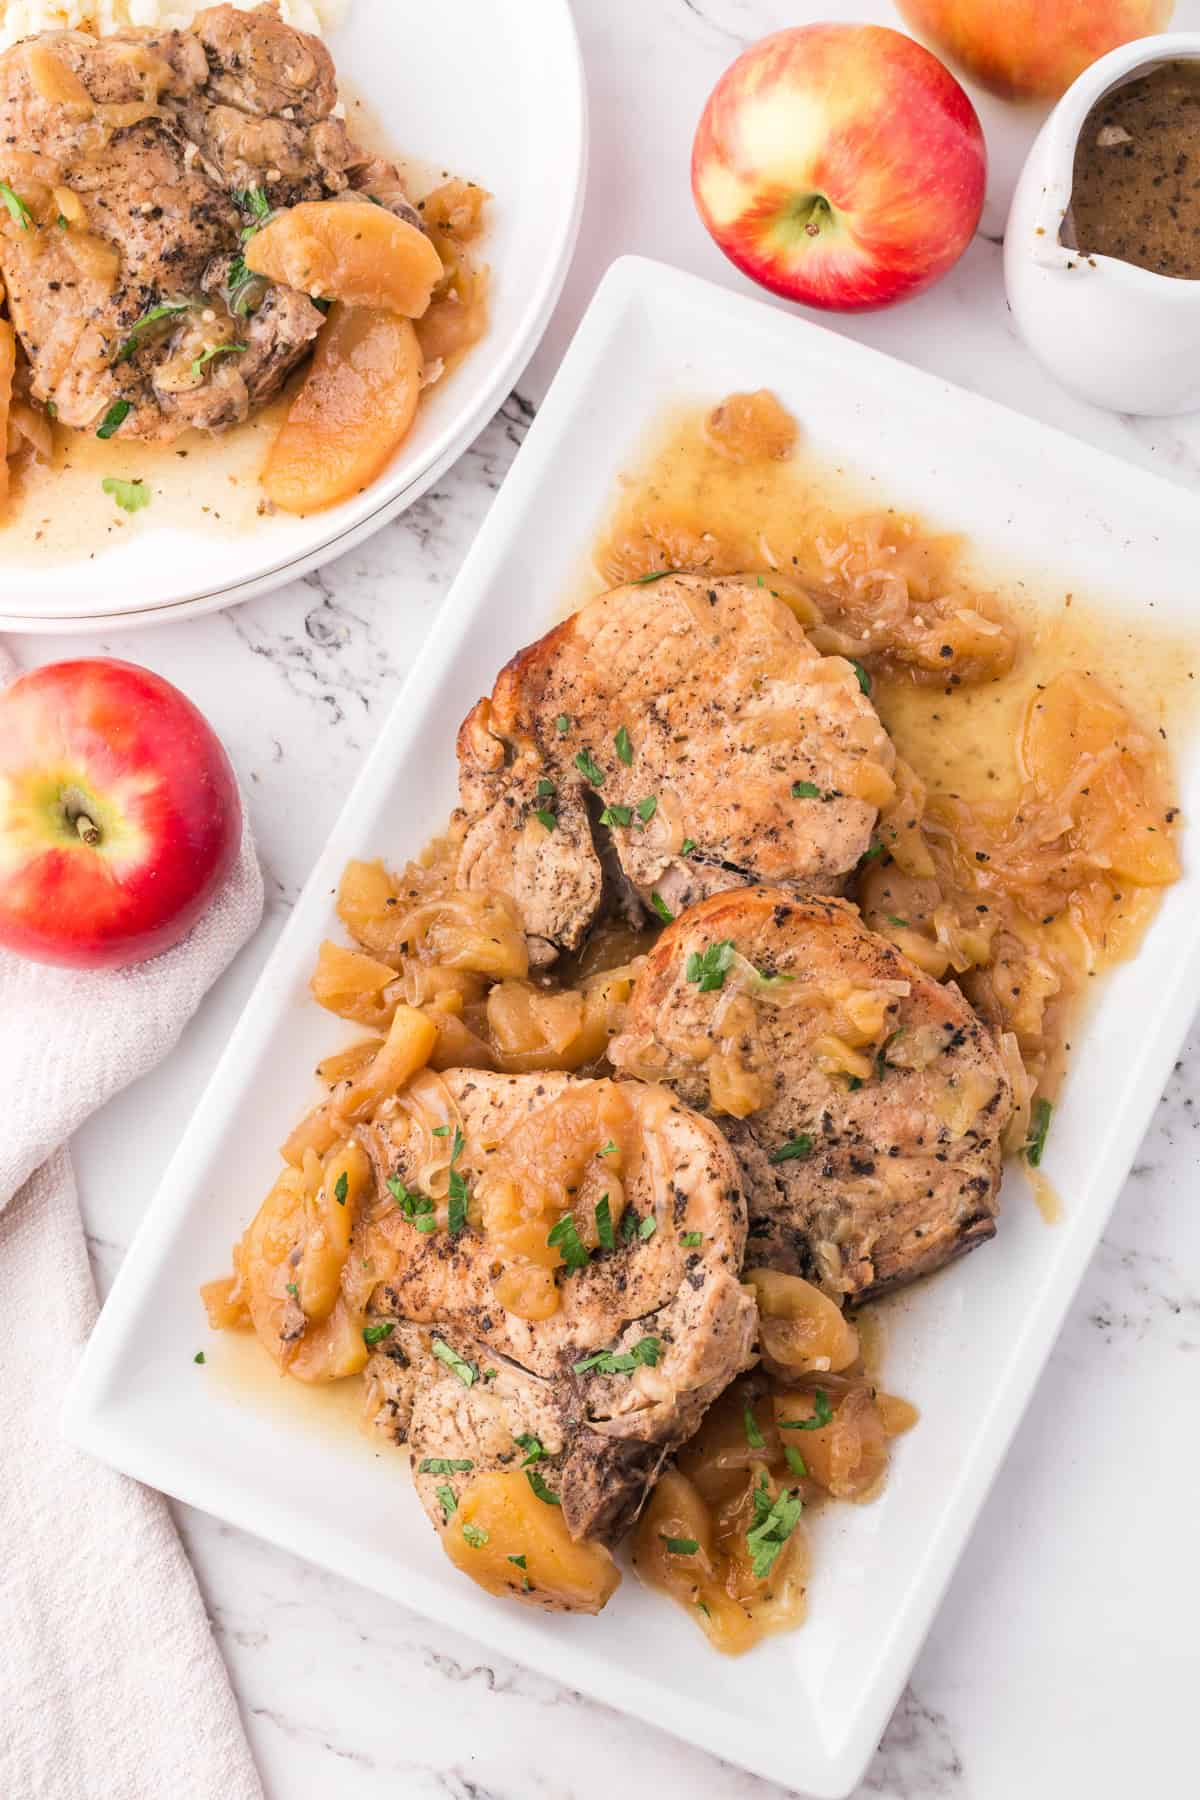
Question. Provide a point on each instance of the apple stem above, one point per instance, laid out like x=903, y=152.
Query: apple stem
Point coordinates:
x=74, y=802
x=87, y=828
x=818, y=215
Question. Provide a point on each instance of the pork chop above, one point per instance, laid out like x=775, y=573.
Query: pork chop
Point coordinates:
x=647, y=1297
x=710, y=743
x=866, y=1102
x=135, y=166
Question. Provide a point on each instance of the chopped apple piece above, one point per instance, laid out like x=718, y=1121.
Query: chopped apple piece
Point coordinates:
x=352, y=251
x=352, y=414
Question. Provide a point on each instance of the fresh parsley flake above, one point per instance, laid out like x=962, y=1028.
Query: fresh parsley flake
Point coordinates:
x=604, y=1225
x=444, y=1465
x=617, y=815
x=822, y=1414
x=609, y=1149
x=545, y=817
x=629, y=1225
x=475, y=1535
x=754, y=1436
x=170, y=309
x=702, y=1606
x=457, y=1216
x=253, y=200
x=449, y=1503
x=375, y=1334
x=589, y=768
x=661, y=908
x=691, y=1240
x=214, y=350
x=562, y=724
x=427, y=1223
x=293, y=1290
x=467, y=1373
x=130, y=496
x=872, y=853
x=687, y=846
x=648, y=1227
x=679, y=1546
x=341, y=1188
x=794, y=1150
x=622, y=1362
x=545, y=788
x=114, y=418
x=647, y=808
x=17, y=209
x=864, y=679
x=709, y=968
x=1039, y=1126
x=199, y=1357
x=440, y=1131
x=624, y=747
x=805, y=790
x=564, y=1237
x=540, y=1489
x=895, y=919
x=773, y=1525
x=654, y=575
x=519, y=1560
x=535, y=1451
x=795, y=1461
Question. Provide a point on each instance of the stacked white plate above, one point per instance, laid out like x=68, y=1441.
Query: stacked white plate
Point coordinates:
x=493, y=91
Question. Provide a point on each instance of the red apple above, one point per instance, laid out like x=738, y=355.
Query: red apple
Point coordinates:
x=119, y=814
x=840, y=165
x=1025, y=49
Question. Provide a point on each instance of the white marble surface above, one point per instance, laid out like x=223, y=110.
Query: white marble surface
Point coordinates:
x=1064, y=1658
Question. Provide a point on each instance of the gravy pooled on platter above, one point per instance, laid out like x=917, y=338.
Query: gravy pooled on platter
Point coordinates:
x=1136, y=190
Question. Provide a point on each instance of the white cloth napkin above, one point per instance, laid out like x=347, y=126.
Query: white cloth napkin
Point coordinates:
x=111, y=1686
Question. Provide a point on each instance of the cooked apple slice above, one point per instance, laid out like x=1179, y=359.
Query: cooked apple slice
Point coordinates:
x=352, y=414
x=348, y=250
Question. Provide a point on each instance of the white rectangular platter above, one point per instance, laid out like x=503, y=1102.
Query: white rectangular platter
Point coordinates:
x=805, y=1709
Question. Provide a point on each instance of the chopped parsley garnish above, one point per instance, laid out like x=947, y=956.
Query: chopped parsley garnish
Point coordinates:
x=458, y=1204
x=449, y=1503
x=774, y=1523
x=604, y=1224
x=440, y=1131
x=648, y=1227
x=895, y=919
x=617, y=815
x=564, y=1237
x=417, y=1208
x=654, y=575
x=691, y=1240
x=375, y=1334
x=475, y=1535
x=805, y=790
x=679, y=1546
x=240, y=285
x=754, y=1436
x=535, y=1452
x=545, y=817
x=199, y=1357
x=130, y=496
x=490, y=1374
x=609, y=1149
x=562, y=724
x=519, y=1560
x=647, y=808
x=253, y=200
x=629, y=1225
x=17, y=209
x=709, y=968
x=661, y=908
x=702, y=1606
x=293, y=1290
x=623, y=746
x=444, y=1465
x=589, y=768
x=687, y=846
x=795, y=1461
x=621, y=1362
x=341, y=1188
x=545, y=789
x=114, y=418
x=822, y=1413
x=206, y=356
x=1039, y=1126
x=540, y=1489
x=795, y=1149
x=168, y=310
x=873, y=851
x=864, y=679
x=467, y=1373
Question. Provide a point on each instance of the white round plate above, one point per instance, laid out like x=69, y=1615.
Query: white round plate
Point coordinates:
x=488, y=89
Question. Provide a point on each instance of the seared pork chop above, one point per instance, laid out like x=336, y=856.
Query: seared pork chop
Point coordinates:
x=872, y=1100
x=654, y=1302
x=137, y=162
x=710, y=742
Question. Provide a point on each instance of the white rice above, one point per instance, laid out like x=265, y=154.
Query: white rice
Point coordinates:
x=22, y=18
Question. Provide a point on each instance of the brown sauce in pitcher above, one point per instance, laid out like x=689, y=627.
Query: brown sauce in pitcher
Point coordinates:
x=1136, y=189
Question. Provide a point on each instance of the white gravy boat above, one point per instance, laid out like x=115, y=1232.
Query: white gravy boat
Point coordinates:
x=1119, y=336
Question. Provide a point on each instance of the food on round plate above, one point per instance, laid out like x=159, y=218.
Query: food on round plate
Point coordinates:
x=840, y=165
x=119, y=814
x=518, y=1213
x=181, y=209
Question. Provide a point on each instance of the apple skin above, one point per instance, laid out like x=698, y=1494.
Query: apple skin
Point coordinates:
x=1032, y=49
x=868, y=125
x=131, y=754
